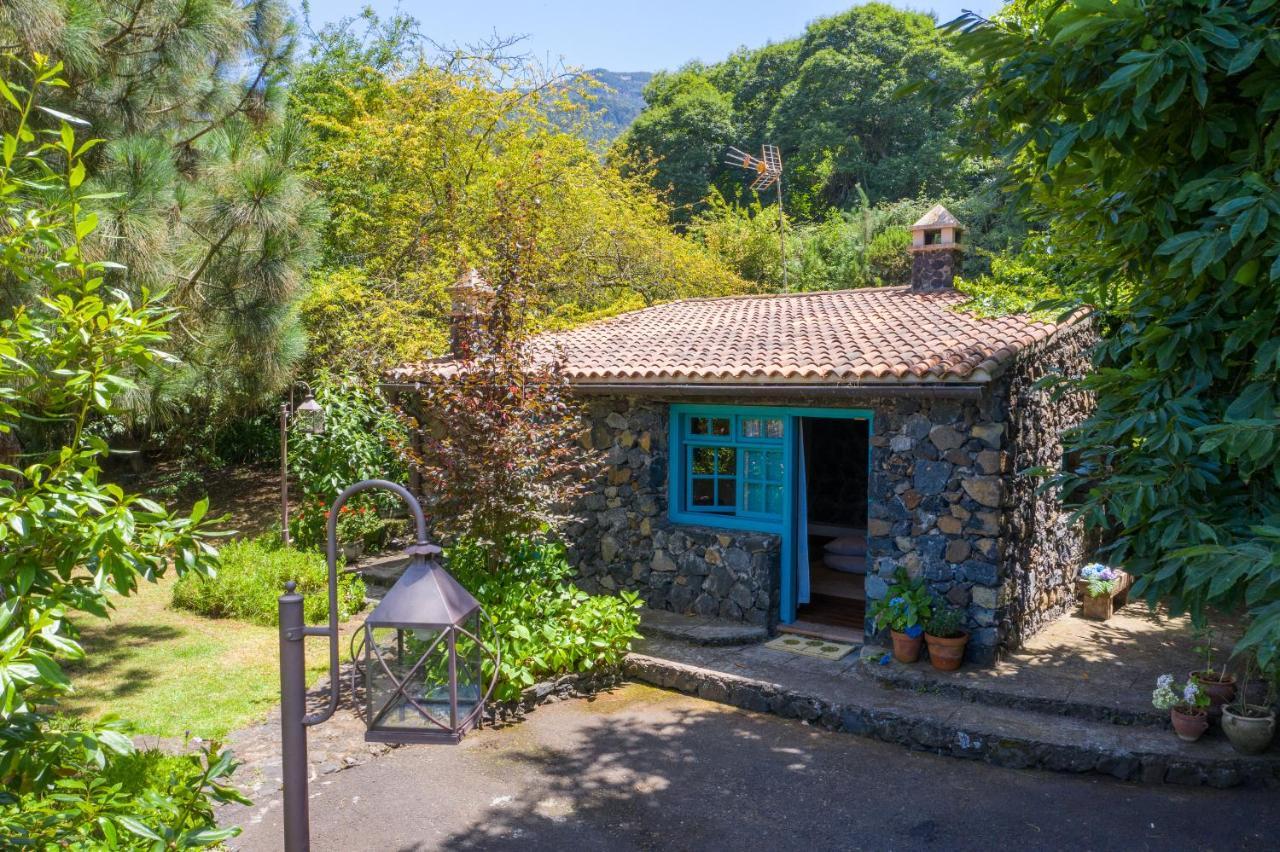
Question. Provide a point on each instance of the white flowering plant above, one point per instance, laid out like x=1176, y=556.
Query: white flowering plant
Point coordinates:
x=1169, y=695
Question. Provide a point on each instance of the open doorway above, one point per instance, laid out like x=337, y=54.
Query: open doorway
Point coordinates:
x=831, y=547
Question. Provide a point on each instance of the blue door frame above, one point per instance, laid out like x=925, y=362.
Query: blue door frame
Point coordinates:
x=789, y=528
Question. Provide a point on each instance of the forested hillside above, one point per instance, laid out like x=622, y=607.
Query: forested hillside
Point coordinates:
x=618, y=103
x=865, y=149
x=827, y=99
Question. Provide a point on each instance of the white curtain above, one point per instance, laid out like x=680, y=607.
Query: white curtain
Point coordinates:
x=802, y=519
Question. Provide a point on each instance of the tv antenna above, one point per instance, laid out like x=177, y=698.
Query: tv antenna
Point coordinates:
x=767, y=169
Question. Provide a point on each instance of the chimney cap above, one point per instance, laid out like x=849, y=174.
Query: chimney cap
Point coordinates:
x=471, y=294
x=937, y=217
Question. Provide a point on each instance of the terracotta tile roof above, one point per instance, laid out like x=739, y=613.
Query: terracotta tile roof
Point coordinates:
x=886, y=334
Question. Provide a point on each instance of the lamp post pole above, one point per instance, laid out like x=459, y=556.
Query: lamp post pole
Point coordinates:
x=284, y=472
x=294, y=720
x=315, y=424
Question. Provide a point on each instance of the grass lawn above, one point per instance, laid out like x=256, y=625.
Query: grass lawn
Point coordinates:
x=170, y=671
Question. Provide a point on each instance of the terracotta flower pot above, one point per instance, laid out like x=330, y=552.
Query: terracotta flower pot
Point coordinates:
x=946, y=653
x=905, y=648
x=1249, y=734
x=1189, y=723
x=1219, y=691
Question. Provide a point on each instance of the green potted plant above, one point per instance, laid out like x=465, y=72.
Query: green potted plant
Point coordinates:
x=1250, y=727
x=1220, y=686
x=904, y=610
x=946, y=637
x=1188, y=706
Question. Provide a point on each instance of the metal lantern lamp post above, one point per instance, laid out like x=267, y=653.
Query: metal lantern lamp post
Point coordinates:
x=423, y=661
x=310, y=416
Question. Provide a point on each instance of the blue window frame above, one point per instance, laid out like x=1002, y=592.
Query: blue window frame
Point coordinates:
x=747, y=480
x=733, y=464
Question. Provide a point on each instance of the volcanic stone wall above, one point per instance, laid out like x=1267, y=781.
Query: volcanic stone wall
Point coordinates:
x=1044, y=550
x=624, y=539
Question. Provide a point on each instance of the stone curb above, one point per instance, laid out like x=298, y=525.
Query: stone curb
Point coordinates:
x=984, y=741
x=975, y=694
x=545, y=692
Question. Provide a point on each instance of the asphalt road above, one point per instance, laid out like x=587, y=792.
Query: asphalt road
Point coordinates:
x=645, y=769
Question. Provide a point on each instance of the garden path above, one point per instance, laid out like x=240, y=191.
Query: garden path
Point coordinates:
x=640, y=768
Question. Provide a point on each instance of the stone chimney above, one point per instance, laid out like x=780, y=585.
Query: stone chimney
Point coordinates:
x=935, y=251
x=470, y=300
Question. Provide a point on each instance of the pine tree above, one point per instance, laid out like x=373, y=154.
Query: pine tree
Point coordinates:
x=198, y=193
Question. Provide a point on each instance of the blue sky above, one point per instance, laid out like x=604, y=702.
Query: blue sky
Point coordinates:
x=624, y=36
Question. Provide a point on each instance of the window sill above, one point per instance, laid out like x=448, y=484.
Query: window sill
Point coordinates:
x=726, y=522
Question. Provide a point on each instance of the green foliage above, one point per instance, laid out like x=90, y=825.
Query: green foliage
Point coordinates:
x=416, y=156
x=1100, y=588
x=70, y=352
x=1022, y=283
x=947, y=621
x=828, y=99
x=195, y=190
x=360, y=432
x=1150, y=133
x=889, y=257
x=907, y=605
x=251, y=577
x=141, y=800
x=546, y=626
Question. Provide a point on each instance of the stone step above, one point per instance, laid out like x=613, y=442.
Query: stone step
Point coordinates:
x=840, y=696
x=976, y=688
x=700, y=629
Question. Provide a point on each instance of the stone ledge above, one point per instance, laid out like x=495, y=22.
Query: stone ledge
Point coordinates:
x=700, y=630
x=996, y=694
x=1002, y=736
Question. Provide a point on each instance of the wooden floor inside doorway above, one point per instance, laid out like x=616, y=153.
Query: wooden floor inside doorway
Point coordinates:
x=837, y=606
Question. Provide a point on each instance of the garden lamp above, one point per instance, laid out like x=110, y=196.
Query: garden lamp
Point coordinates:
x=310, y=417
x=423, y=661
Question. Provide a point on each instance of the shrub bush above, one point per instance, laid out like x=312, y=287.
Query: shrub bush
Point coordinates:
x=546, y=626
x=251, y=576
x=889, y=257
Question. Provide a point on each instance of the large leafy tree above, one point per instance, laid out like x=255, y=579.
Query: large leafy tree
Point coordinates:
x=1150, y=133
x=417, y=157
x=67, y=539
x=829, y=99
x=196, y=190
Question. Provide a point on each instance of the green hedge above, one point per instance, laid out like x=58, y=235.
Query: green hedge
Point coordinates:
x=250, y=578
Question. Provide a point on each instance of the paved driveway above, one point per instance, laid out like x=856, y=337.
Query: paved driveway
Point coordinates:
x=645, y=769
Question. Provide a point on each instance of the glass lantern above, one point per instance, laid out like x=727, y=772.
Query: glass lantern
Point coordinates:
x=424, y=659
x=310, y=415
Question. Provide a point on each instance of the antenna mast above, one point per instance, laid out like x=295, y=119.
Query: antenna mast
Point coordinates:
x=768, y=172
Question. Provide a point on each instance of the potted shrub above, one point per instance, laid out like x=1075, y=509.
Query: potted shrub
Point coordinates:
x=1220, y=686
x=1100, y=589
x=946, y=637
x=904, y=610
x=1188, y=706
x=1250, y=727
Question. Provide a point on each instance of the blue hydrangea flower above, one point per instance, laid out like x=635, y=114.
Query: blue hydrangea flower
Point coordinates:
x=914, y=631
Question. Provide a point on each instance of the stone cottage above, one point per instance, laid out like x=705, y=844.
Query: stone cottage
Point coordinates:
x=775, y=459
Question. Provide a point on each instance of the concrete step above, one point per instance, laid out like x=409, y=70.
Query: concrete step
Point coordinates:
x=977, y=686
x=699, y=629
x=839, y=695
